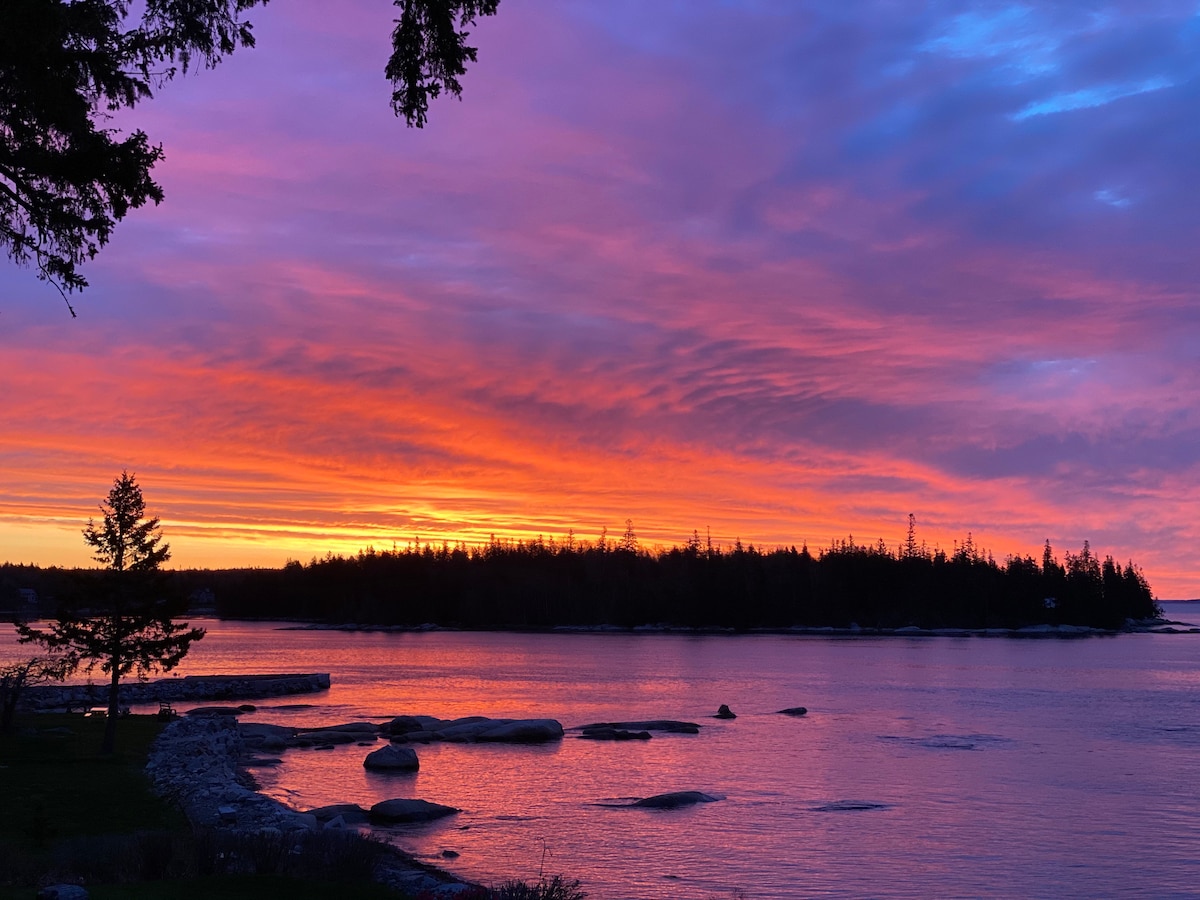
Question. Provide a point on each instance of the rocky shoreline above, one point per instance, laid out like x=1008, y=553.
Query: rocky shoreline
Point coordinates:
x=197, y=763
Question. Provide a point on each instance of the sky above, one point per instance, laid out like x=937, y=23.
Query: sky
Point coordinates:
x=777, y=270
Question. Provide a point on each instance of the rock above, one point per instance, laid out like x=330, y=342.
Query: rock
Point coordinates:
x=247, y=708
x=214, y=711
x=408, y=724
x=62, y=892
x=794, y=711
x=415, y=737
x=668, y=725
x=260, y=762
x=402, y=811
x=463, y=732
x=725, y=713
x=614, y=734
x=324, y=738
x=350, y=813
x=450, y=854
x=468, y=729
x=675, y=799
x=356, y=728
x=392, y=759
x=262, y=736
x=524, y=731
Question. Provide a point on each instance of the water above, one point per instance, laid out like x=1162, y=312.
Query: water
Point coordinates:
x=991, y=766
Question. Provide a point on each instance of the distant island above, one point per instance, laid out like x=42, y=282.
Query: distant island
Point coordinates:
x=539, y=584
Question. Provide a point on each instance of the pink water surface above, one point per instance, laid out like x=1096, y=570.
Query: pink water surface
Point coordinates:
x=995, y=767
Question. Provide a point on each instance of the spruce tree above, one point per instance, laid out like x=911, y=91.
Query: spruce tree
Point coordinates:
x=127, y=625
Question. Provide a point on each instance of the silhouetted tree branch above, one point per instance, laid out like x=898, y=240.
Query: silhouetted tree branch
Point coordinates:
x=66, y=66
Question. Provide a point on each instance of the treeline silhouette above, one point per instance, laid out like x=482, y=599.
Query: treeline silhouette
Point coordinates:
x=543, y=583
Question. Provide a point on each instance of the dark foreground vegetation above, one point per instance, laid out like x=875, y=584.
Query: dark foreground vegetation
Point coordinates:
x=74, y=816
x=546, y=583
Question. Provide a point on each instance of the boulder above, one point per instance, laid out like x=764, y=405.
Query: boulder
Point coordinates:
x=725, y=713
x=394, y=812
x=349, y=813
x=524, y=731
x=392, y=759
x=794, y=711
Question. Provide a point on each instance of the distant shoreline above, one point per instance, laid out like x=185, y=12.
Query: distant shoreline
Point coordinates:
x=1144, y=626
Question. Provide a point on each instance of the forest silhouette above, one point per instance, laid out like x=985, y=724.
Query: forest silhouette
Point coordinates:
x=544, y=583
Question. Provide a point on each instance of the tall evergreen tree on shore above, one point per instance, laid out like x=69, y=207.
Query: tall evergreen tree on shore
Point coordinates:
x=128, y=623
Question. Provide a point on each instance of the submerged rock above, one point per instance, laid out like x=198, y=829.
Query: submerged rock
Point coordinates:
x=672, y=800
x=675, y=799
x=400, y=811
x=725, y=713
x=794, y=711
x=392, y=759
x=614, y=734
x=849, y=806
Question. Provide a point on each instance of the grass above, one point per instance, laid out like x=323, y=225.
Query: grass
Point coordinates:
x=54, y=779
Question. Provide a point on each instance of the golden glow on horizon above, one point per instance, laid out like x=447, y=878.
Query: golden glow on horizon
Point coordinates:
x=252, y=465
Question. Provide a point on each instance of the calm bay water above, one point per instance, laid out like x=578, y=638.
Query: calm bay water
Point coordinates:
x=996, y=766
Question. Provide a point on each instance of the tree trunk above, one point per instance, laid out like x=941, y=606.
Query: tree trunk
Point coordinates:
x=110, y=723
x=8, y=701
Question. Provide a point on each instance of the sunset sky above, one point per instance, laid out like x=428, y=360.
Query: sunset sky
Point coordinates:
x=788, y=271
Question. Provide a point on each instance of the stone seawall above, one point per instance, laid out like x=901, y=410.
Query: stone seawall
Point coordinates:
x=190, y=687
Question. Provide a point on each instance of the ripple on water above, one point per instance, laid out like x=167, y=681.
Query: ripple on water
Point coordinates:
x=850, y=806
x=950, y=741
